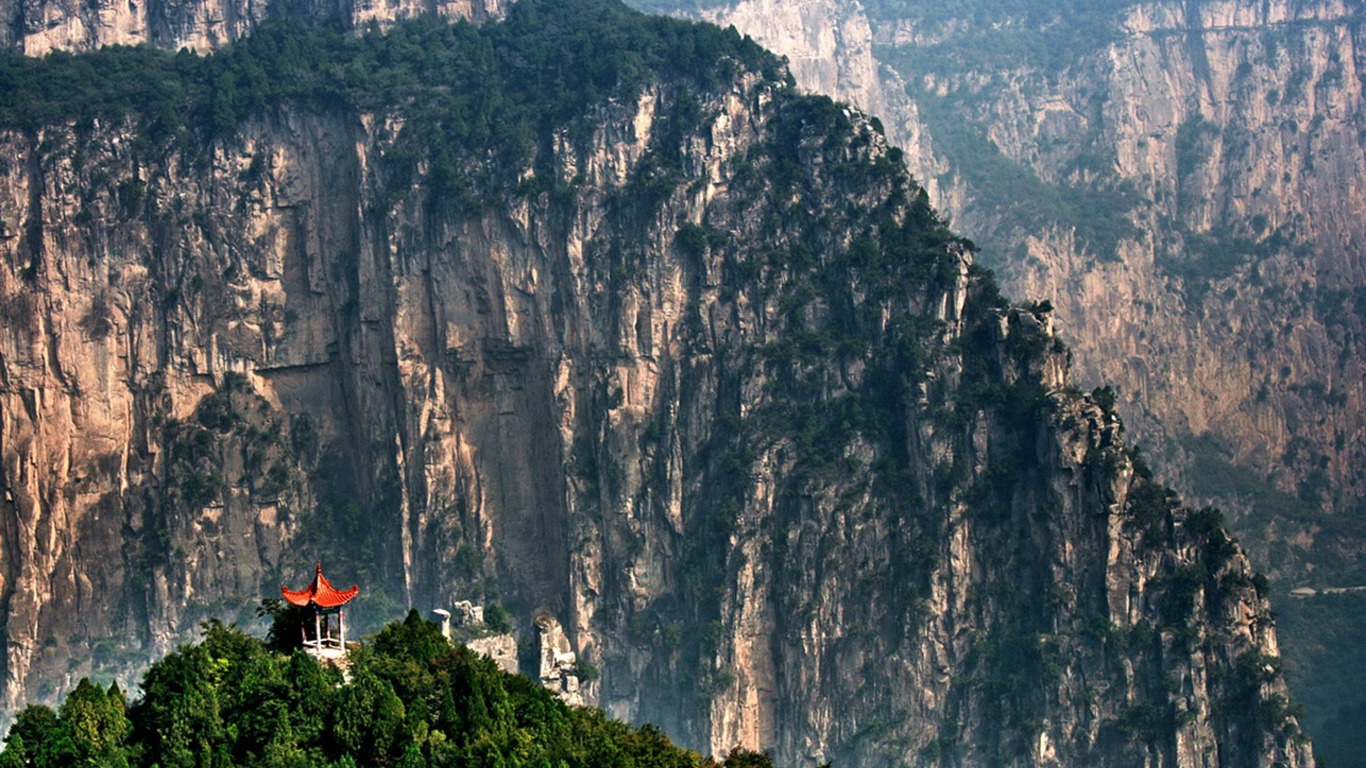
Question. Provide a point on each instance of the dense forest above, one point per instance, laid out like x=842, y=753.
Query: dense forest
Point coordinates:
x=410, y=699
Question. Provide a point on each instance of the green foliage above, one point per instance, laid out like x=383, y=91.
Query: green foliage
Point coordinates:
x=1149, y=721
x=1151, y=505
x=1004, y=34
x=415, y=640
x=1191, y=137
x=413, y=699
x=743, y=758
x=966, y=55
x=1105, y=398
x=192, y=469
x=1204, y=258
x=586, y=671
x=498, y=619
x=90, y=729
x=31, y=729
x=1244, y=689
x=478, y=104
x=287, y=622
x=681, y=6
x=692, y=240
x=1178, y=596
x=1264, y=504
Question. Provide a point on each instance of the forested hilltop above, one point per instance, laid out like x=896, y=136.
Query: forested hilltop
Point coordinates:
x=409, y=699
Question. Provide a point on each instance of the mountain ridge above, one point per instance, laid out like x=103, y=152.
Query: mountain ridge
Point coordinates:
x=1219, y=144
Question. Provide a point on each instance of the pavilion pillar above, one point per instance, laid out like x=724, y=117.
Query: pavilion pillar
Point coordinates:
x=341, y=628
x=318, y=629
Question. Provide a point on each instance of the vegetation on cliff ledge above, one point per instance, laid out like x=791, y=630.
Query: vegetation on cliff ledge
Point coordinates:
x=411, y=700
x=477, y=103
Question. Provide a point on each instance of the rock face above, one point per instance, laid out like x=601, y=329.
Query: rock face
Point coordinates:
x=1182, y=181
x=38, y=28
x=501, y=648
x=829, y=45
x=471, y=631
x=729, y=399
x=557, y=665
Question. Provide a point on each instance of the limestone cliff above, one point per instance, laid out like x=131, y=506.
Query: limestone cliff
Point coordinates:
x=37, y=28
x=1182, y=182
x=706, y=378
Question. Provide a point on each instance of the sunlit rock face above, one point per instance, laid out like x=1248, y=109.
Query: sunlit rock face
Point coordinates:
x=38, y=28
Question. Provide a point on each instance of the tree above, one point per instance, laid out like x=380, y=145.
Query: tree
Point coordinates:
x=31, y=729
x=369, y=718
x=412, y=757
x=416, y=639
x=743, y=758
x=92, y=729
x=497, y=619
x=287, y=622
x=179, y=720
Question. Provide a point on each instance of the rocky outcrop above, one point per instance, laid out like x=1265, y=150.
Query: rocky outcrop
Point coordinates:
x=1233, y=318
x=722, y=392
x=829, y=47
x=470, y=630
x=1182, y=181
x=1170, y=121
x=501, y=648
x=557, y=664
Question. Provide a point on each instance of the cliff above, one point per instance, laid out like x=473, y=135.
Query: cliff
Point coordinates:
x=1204, y=252
x=38, y=28
x=1182, y=181
x=688, y=361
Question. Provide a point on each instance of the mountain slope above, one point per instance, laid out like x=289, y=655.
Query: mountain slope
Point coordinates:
x=1182, y=181
x=662, y=347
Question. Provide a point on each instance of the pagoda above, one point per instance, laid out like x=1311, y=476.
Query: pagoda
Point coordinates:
x=325, y=601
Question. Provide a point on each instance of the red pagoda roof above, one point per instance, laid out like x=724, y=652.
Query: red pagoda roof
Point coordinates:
x=320, y=593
